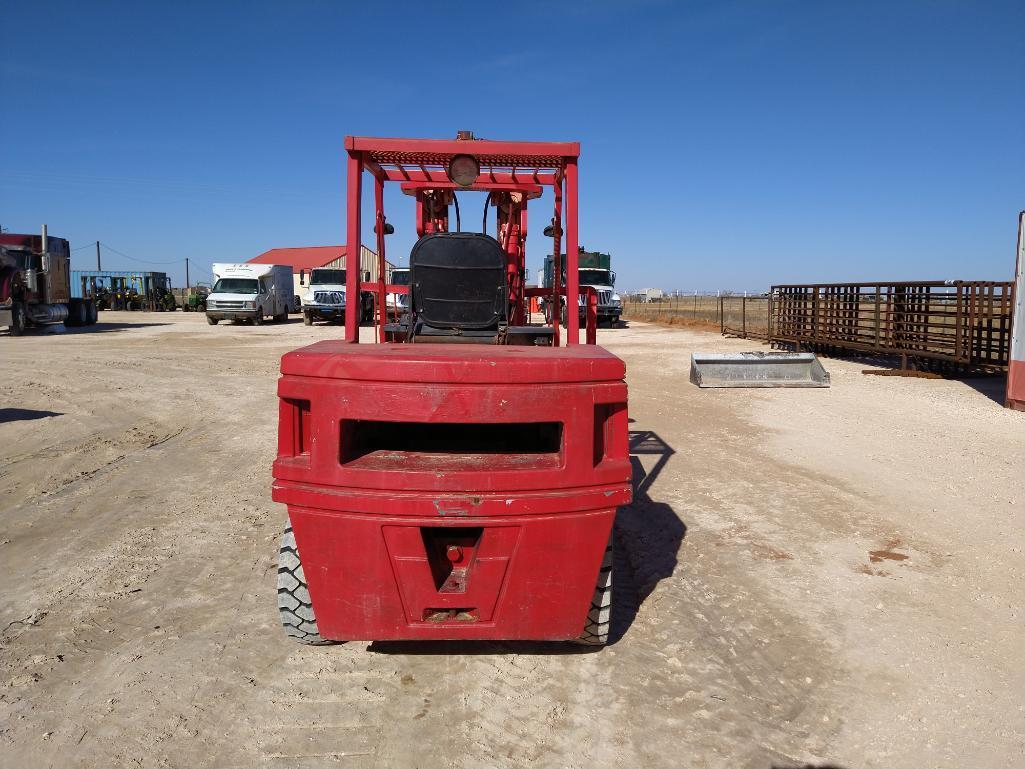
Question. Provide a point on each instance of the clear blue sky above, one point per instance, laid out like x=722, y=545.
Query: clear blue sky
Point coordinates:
x=725, y=144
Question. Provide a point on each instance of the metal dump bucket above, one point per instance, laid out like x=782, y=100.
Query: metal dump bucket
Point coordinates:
x=757, y=369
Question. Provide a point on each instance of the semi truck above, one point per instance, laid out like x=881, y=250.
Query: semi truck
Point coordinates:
x=595, y=270
x=325, y=298
x=250, y=292
x=35, y=284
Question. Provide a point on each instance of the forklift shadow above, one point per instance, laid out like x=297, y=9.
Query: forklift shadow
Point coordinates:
x=648, y=535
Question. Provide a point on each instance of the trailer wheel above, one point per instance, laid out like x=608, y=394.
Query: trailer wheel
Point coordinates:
x=17, y=319
x=91, y=313
x=294, y=604
x=77, y=313
x=596, y=628
x=212, y=321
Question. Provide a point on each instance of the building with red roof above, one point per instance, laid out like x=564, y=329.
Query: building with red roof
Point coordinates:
x=307, y=258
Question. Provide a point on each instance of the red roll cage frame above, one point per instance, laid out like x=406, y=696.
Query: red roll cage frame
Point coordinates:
x=511, y=172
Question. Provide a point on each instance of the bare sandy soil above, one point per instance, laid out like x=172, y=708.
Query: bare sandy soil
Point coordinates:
x=807, y=576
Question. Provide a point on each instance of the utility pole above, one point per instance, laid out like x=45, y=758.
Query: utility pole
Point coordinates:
x=186, y=273
x=98, y=267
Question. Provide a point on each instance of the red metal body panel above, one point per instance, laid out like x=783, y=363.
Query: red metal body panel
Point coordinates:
x=530, y=527
x=370, y=580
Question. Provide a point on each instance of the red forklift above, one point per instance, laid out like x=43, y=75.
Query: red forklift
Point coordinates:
x=459, y=478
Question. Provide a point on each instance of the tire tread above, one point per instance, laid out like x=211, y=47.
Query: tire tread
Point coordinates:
x=596, y=628
x=294, y=605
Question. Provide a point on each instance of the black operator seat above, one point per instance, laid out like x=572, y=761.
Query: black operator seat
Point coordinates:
x=459, y=293
x=458, y=284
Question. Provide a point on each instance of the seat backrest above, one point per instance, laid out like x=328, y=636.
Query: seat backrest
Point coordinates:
x=458, y=281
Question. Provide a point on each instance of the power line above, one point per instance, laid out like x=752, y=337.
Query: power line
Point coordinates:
x=133, y=259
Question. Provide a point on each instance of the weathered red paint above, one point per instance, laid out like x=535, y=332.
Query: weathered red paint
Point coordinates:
x=1016, y=385
x=544, y=519
x=1016, y=364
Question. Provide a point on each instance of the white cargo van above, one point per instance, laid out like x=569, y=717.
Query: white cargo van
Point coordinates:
x=250, y=292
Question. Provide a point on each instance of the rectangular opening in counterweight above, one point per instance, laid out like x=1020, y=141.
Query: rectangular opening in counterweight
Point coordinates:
x=452, y=445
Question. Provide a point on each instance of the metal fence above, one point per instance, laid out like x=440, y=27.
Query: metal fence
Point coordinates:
x=964, y=324
x=731, y=314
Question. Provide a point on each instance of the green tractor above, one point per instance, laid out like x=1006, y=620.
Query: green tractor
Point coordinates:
x=196, y=299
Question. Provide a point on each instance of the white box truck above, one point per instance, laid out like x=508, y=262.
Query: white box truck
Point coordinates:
x=250, y=292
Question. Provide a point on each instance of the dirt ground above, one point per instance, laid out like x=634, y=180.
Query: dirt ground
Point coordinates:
x=806, y=576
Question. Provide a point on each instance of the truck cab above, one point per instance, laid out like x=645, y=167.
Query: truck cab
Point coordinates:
x=35, y=284
x=399, y=302
x=610, y=305
x=595, y=271
x=250, y=292
x=325, y=298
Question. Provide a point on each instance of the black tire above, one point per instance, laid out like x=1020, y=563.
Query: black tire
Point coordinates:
x=596, y=628
x=91, y=313
x=281, y=318
x=294, y=604
x=307, y=319
x=212, y=321
x=258, y=318
x=76, y=313
x=17, y=319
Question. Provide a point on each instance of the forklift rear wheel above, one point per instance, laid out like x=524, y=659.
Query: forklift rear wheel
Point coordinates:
x=212, y=321
x=17, y=319
x=596, y=629
x=307, y=319
x=294, y=602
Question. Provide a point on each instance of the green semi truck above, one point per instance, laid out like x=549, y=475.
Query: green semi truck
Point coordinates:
x=595, y=270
